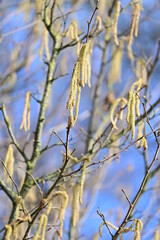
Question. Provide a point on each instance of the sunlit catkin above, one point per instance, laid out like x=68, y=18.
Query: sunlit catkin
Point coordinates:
x=80, y=77
x=139, y=132
x=8, y=234
x=134, y=21
x=62, y=211
x=40, y=233
x=138, y=228
x=144, y=143
x=131, y=103
x=129, y=99
x=83, y=179
x=134, y=27
x=75, y=205
x=156, y=236
x=114, y=74
x=46, y=44
x=132, y=116
x=26, y=113
x=9, y=163
x=121, y=102
x=97, y=25
x=116, y=16
x=73, y=33
x=100, y=229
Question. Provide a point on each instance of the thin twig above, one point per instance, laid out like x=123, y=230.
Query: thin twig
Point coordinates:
x=89, y=22
x=105, y=223
x=125, y=194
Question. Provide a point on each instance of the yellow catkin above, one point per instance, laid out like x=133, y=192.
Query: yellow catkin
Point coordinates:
x=46, y=44
x=38, y=5
x=8, y=234
x=108, y=29
x=83, y=63
x=49, y=207
x=116, y=16
x=80, y=77
x=73, y=33
x=122, y=102
x=132, y=116
x=139, y=133
x=40, y=233
x=82, y=180
x=138, y=84
x=114, y=74
x=95, y=237
x=100, y=229
x=75, y=205
x=141, y=70
x=26, y=113
x=138, y=228
x=133, y=28
x=144, y=143
x=156, y=236
x=97, y=25
x=129, y=99
x=62, y=211
x=9, y=163
x=137, y=11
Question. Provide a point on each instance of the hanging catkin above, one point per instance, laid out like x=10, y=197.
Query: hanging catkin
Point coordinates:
x=26, y=113
x=80, y=77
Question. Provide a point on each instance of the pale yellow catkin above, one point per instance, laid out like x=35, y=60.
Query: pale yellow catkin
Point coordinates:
x=144, y=143
x=139, y=132
x=122, y=102
x=8, y=234
x=134, y=21
x=46, y=44
x=132, y=116
x=100, y=229
x=83, y=63
x=26, y=113
x=114, y=74
x=156, y=236
x=95, y=237
x=9, y=163
x=82, y=181
x=137, y=11
x=75, y=205
x=62, y=212
x=116, y=16
x=97, y=25
x=138, y=228
x=134, y=27
x=80, y=77
x=129, y=99
x=40, y=233
x=108, y=29
x=38, y=5
x=73, y=33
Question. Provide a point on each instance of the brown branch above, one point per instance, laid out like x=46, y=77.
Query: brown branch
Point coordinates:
x=138, y=195
x=126, y=196
x=64, y=165
x=104, y=221
x=89, y=22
